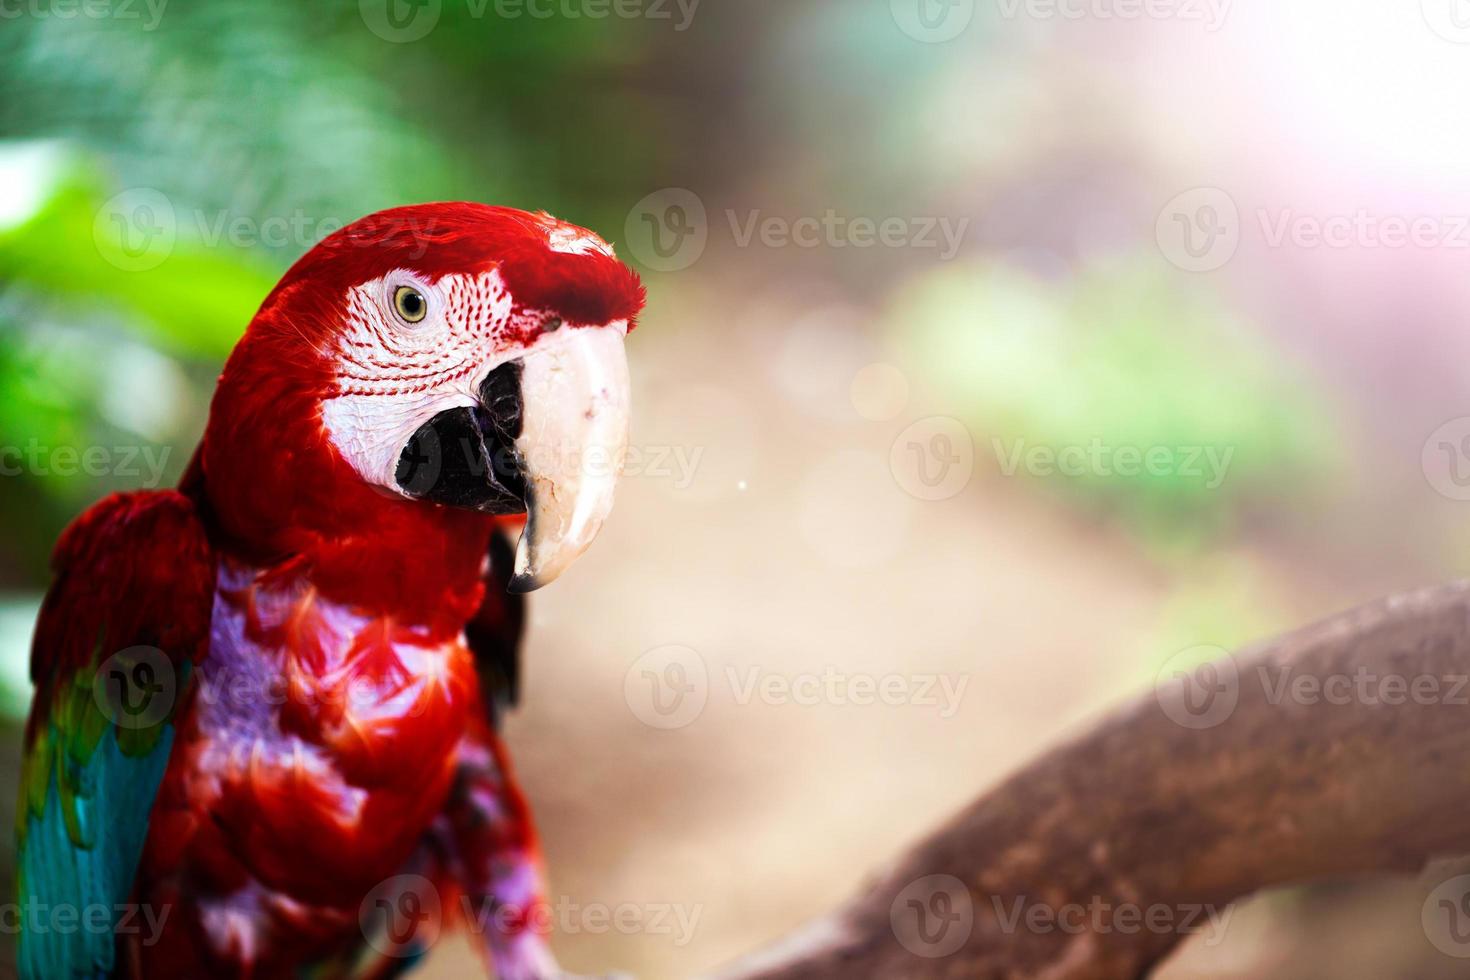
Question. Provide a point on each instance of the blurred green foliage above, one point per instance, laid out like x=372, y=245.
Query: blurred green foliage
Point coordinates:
x=194, y=303
x=247, y=119
x=298, y=114
x=1115, y=357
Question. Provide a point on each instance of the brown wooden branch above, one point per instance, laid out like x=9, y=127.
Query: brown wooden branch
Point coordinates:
x=1347, y=751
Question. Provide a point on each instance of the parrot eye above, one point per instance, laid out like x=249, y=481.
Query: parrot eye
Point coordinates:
x=410, y=304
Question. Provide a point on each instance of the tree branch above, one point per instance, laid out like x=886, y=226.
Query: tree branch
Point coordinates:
x=1371, y=773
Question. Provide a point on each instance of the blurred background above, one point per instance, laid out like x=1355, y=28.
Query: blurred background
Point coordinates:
x=997, y=351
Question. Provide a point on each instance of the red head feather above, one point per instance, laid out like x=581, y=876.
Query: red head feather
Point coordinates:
x=266, y=471
x=547, y=264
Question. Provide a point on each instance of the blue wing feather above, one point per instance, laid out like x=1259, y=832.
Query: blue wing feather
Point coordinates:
x=77, y=895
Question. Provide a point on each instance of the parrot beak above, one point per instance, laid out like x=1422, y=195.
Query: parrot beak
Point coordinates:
x=573, y=439
x=547, y=439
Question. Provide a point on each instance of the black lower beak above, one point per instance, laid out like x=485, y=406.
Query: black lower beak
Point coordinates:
x=466, y=457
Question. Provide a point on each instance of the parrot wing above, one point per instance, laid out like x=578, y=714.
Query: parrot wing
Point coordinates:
x=126, y=619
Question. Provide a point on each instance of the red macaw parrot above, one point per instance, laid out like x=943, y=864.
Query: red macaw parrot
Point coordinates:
x=263, y=736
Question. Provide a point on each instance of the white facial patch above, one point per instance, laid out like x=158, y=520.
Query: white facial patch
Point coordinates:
x=393, y=376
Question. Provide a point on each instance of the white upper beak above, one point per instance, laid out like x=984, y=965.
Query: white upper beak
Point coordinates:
x=573, y=442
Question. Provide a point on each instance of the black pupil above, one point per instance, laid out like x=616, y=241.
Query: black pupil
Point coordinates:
x=413, y=303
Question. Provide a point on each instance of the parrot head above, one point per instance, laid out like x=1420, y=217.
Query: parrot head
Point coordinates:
x=426, y=361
